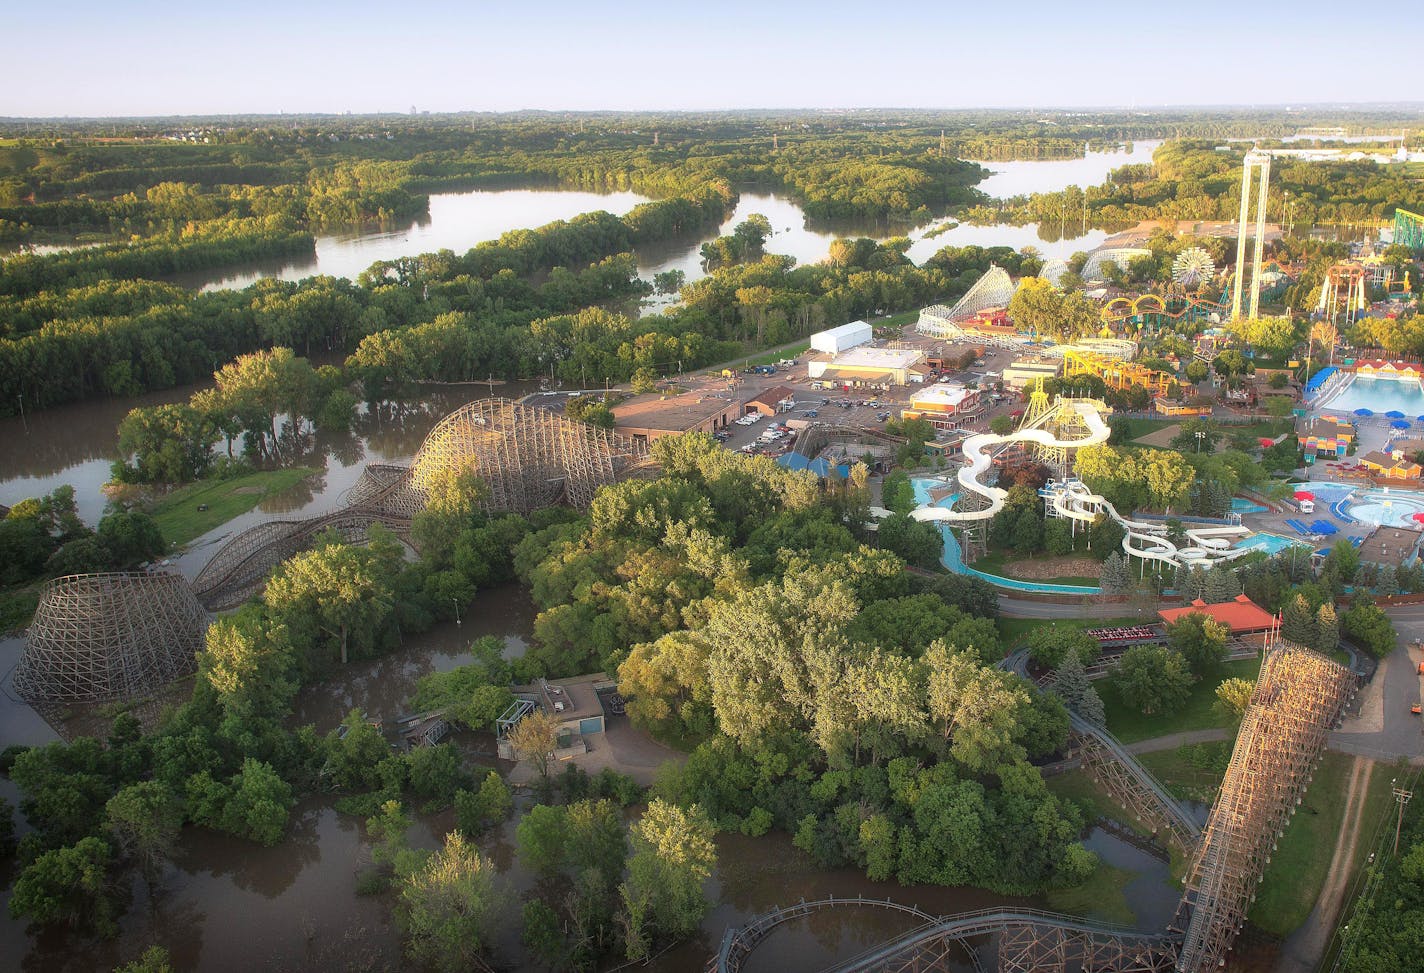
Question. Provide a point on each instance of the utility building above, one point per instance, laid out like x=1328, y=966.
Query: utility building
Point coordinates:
x=833, y=341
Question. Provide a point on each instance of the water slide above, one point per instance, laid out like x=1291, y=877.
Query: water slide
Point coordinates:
x=1073, y=500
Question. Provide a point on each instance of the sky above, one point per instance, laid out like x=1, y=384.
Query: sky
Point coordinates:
x=131, y=57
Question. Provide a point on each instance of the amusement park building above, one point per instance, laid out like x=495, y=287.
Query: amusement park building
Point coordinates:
x=1243, y=618
x=893, y=366
x=833, y=341
x=650, y=417
x=944, y=406
x=1325, y=434
x=1391, y=546
x=1383, y=368
x=1393, y=465
x=1026, y=371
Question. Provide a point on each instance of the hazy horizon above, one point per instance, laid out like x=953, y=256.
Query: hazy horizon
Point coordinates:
x=163, y=59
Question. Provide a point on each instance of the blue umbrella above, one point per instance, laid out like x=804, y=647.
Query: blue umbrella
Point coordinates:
x=1395, y=414
x=1364, y=412
x=1419, y=418
x=1399, y=424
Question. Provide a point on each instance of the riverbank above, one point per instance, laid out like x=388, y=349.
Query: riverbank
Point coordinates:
x=191, y=511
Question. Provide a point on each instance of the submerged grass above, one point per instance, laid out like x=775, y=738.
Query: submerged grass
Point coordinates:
x=180, y=520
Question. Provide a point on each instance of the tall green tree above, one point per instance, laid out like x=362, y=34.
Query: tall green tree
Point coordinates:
x=663, y=895
x=448, y=908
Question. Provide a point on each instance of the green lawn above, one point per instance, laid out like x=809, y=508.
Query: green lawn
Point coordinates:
x=1102, y=897
x=1194, y=772
x=996, y=563
x=1296, y=874
x=1200, y=712
x=895, y=320
x=178, y=515
x=1137, y=428
x=17, y=607
x=1079, y=786
x=772, y=357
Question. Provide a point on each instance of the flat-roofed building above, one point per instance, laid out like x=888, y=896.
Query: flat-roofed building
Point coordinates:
x=943, y=405
x=833, y=341
x=1392, y=546
x=649, y=417
x=1026, y=371
x=859, y=366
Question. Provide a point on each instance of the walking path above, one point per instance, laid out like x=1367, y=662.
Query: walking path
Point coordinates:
x=1304, y=950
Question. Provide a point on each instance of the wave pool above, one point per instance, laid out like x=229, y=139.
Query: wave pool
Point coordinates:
x=1389, y=508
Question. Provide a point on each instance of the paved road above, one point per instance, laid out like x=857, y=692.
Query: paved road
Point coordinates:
x=1385, y=729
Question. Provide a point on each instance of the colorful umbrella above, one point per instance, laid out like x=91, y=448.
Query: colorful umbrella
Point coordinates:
x=1399, y=424
x=1266, y=443
x=1419, y=518
x=1364, y=413
x=1305, y=495
x=1394, y=414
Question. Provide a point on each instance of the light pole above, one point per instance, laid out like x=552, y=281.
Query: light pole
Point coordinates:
x=457, y=610
x=1200, y=436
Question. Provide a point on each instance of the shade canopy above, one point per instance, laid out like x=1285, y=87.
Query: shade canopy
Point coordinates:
x=1399, y=424
x=1395, y=414
x=1364, y=412
x=1305, y=495
x=1266, y=443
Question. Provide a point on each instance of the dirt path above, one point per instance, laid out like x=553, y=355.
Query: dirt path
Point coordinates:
x=1303, y=952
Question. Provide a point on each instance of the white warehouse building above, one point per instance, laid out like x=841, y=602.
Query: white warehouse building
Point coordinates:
x=833, y=341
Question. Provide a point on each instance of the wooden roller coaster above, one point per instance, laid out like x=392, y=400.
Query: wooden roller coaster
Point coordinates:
x=1297, y=700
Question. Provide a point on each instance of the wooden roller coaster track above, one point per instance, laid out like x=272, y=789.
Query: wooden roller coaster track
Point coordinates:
x=1297, y=700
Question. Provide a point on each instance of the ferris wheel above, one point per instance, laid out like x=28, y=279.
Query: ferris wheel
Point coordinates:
x=1193, y=267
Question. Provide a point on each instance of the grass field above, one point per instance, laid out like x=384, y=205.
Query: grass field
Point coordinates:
x=1296, y=875
x=1200, y=712
x=17, y=607
x=1102, y=897
x=180, y=520
x=996, y=563
x=772, y=357
x=1193, y=772
x=1137, y=428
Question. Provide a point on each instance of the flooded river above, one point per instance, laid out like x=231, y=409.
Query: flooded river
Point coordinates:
x=459, y=221
x=231, y=905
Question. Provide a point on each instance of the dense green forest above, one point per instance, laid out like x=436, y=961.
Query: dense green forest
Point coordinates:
x=162, y=198
x=1200, y=180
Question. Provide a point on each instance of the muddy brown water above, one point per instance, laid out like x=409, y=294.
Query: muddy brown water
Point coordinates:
x=226, y=904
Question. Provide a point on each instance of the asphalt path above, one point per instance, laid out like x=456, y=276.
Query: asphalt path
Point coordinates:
x=1384, y=728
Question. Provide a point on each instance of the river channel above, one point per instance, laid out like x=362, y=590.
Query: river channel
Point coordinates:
x=230, y=905
x=458, y=221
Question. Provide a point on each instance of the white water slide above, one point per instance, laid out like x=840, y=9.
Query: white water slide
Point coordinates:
x=1071, y=499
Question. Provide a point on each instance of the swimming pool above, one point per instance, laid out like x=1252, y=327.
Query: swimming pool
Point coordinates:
x=1240, y=505
x=1379, y=395
x=1270, y=543
x=1392, y=508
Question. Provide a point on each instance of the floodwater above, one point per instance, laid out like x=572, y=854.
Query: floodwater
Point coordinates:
x=458, y=221
x=77, y=443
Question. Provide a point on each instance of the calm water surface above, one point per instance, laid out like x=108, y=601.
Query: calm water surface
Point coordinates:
x=458, y=221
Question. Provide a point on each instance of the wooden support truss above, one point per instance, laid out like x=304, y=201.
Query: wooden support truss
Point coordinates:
x=110, y=637
x=1297, y=700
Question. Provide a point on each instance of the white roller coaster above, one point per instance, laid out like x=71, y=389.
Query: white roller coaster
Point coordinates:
x=1071, y=499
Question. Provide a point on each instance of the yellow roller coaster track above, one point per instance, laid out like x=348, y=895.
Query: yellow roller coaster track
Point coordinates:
x=1117, y=374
